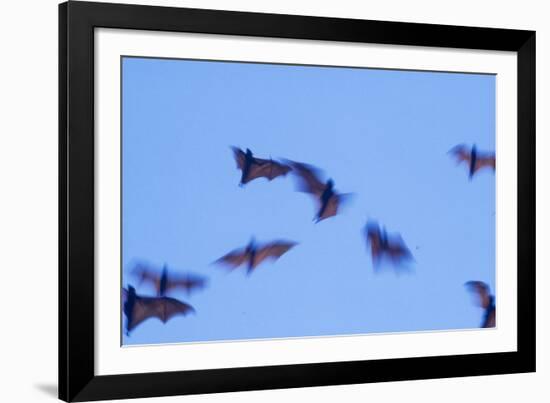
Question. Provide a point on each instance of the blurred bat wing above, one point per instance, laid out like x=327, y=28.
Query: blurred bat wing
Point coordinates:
x=334, y=204
x=397, y=249
x=488, y=161
x=240, y=157
x=234, y=259
x=461, y=153
x=331, y=208
x=272, y=250
x=266, y=169
x=310, y=178
x=188, y=283
x=372, y=235
x=167, y=308
x=163, y=308
x=376, y=250
x=482, y=291
x=146, y=274
x=272, y=169
x=490, y=318
x=143, y=309
x=261, y=161
x=278, y=169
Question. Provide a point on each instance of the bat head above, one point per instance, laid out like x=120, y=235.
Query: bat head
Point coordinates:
x=330, y=184
x=128, y=307
x=251, y=244
x=163, y=280
x=372, y=229
x=248, y=153
x=478, y=286
x=131, y=291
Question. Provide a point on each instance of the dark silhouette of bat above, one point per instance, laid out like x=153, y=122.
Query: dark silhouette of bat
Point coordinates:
x=383, y=246
x=253, y=255
x=253, y=167
x=165, y=282
x=473, y=158
x=485, y=301
x=328, y=199
x=138, y=309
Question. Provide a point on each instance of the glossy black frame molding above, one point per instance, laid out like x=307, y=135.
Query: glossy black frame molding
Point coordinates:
x=77, y=380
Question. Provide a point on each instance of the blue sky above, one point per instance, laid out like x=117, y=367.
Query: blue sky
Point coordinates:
x=380, y=134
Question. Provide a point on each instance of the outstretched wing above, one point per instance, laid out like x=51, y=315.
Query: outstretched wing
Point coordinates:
x=331, y=208
x=235, y=258
x=485, y=161
x=482, y=291
x=141, y=310
x=269, y=169
x=272, y=250
x=188, y=282
x=310, y=178
x=240, y=157
x=167, y=308
x=259, y=168
x=461, y=153
x=163, y=308
x=397, y=250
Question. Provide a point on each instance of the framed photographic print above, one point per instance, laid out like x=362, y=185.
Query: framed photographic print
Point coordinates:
x=255, y=201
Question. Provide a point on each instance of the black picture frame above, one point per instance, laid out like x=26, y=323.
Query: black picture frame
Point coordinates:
x=77, y=21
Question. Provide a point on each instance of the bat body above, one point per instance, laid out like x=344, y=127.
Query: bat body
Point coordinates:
x=164, y=282
x=486, y=301
x=253, y=255
x=383, y=246
x=252, y=167
x=138, y=309
x=473, y=158
x=328, y=200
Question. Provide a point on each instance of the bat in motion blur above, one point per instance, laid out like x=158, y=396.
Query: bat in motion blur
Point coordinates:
x=474, y=159
x=328, y=200
x=253, y=167
x=485, y=301
x=384, y=246
x=253, y=255
x=138, y=309
x=165, y=281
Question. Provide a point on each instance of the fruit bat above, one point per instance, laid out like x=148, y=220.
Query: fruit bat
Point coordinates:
x=485, y=301
x=382, y=245
x=473, y=158
x=138, y=309
x=328, y=199
x=165, y=282
x=253, y=255
x=253, y=167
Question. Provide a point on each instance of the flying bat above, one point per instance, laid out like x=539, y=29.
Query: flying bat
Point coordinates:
x=382, y=245
x=138, y=309
x=253, y=255
x=164, y=282
x=327, y=198
x=253, y=167
x=474, y=159
x=485, y=301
